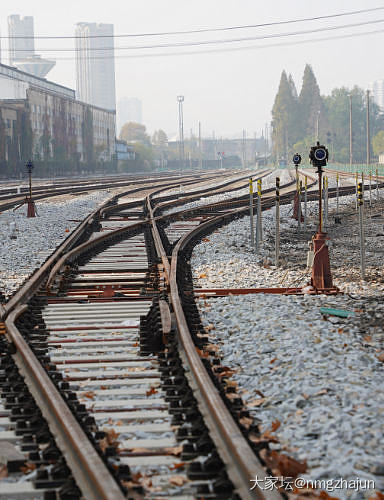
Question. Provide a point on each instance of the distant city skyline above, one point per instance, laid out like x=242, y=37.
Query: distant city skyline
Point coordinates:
x=227, y=91
x=22, y=47
x=95, y=75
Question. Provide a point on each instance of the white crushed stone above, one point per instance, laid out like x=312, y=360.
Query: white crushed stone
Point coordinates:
x=36, y=238
x=268, y=181
x=320, y=378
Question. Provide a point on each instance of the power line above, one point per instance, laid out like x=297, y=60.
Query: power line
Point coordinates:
x=202, y=30
x=212, y=42
x=234, y=49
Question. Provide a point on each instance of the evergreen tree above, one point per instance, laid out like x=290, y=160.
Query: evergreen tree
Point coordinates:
x=311, y=107
x=283, y=118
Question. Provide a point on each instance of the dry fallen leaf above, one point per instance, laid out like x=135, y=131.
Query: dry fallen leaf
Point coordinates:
x=173, y=450
x=28, y=467
x=88, y=394
x=246, y=422
x=275, y=425
x=178, y=480
x=202, y=275
x=282, y=465
x=179, y=465
x=256, y=402
x=151, y=391
x=202, y=354
x=3, y=471
x=380, y=357
x=112, y=436
x=324, y=496
x=378, y=496
x=205, y=239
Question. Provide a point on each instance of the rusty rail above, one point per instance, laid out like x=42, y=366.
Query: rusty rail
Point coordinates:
x=88, y=469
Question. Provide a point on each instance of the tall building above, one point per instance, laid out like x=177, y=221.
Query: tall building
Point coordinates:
x=50, y=124
x=22, y=47
x=129, y=109
x=95, y=65
x=377, y=90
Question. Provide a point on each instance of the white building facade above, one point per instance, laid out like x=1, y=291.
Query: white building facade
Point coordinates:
x=60, y=126
x=95, y=65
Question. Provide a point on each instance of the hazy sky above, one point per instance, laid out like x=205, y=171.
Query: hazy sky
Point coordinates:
x=226, y=91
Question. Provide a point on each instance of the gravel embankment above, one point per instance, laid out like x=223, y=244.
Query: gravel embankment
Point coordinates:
x=26, y=243
x=267, y=182
x=319, y=377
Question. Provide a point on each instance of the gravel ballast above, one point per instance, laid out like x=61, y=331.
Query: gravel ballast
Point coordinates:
x=319, y=376
x=26, y=243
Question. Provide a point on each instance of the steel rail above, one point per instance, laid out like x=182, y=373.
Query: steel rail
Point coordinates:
x=30, y=287
x=236, y=453
x=89, y=471
x=87, y=467
x=241, y=462
x=209, y=191
x=16, y=199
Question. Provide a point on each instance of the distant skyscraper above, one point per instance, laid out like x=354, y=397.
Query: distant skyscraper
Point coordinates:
x=377, y=90
x=95, y=66
x=129, y=109
x=22, y=47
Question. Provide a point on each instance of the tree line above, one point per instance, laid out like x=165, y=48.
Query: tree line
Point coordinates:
x=298, y=119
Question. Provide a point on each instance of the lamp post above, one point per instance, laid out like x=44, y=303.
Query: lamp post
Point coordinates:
x=30, y=202
x=220, y=154
x=180, y=100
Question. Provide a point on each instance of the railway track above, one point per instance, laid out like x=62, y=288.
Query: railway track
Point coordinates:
x=131, y=399
x=11, y=198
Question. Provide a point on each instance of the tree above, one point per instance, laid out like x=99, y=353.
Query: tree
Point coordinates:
x=378, y=143
x=283, y=117
x=132, y=132
x=311, y=107
x=144, y=154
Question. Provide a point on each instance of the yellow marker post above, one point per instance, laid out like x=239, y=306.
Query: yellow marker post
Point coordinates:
x=259, y=229
x=360, y=196
x=277, y=217
x=377, y=183
x=325, y=200
x=356, y=182
x=370, y=189
x=305, y=202
x=337, y=194
x=251, y=212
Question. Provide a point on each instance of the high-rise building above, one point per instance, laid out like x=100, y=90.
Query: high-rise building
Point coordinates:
x=22, y=47
x=377, y=90
x=129, y=109
x=95, y=65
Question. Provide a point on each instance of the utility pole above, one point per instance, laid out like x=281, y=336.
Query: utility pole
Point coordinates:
x=180, y=99
x=244, y=143
x=266, y=143
x=214, y=147
x=350, y=132
x=368, y=134
x=200, y=149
